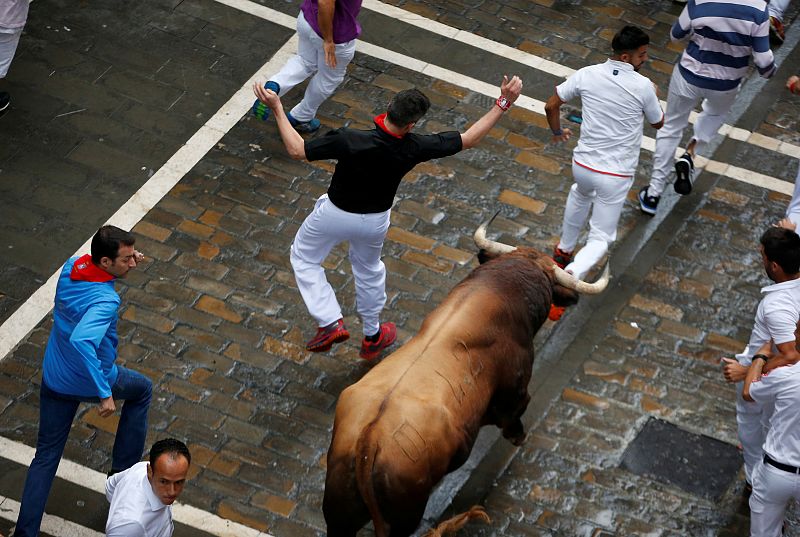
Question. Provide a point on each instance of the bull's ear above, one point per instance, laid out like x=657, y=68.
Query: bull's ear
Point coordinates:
x=564, y=297
x=484, y=256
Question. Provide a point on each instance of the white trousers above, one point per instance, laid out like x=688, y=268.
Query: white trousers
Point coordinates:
x=772, y=491
x=682, y=97
x=604, y=195
x=793, y=210
x=8, y=47
x=752, y=431
x=310, y=60
x=777, y=8
x=322, y=230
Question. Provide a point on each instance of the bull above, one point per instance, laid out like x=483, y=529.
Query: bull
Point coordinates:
x=414, y=417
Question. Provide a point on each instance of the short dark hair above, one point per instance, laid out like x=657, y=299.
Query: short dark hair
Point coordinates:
x=169, y=446
x=408, y=106
x=107, y=240
x=628, y=39
x=782, y=246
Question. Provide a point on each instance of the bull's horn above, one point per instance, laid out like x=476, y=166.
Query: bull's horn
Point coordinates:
x=571, y=282
x=492, y=247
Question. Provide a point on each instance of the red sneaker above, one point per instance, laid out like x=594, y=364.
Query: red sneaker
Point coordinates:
x=561, y=257
x=556, y=312
x=326, y=336
x=372, y=349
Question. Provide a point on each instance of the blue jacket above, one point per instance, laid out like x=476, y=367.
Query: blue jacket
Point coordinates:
x=80, y=354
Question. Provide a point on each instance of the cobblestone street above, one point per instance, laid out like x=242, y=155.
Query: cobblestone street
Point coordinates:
x=213, y=315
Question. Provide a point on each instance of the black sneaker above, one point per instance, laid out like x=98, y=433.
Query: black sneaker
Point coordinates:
x=647, y=203
x=5, y=102
x=684, y=169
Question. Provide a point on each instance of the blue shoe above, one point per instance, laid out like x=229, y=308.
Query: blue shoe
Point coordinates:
x=261, y=110
x=648, y=204
x=306, y=127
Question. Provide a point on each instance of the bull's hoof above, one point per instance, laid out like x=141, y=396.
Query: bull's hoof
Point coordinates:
x=518, y=440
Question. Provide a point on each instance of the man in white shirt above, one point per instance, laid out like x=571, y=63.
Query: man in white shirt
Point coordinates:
x=141, y=496
x=776, y=476
x=615, y=99
x=776, y=319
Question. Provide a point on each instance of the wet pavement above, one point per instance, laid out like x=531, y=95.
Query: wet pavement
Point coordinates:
x=105, y=94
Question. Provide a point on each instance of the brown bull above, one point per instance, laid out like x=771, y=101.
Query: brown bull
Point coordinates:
x=415, y=416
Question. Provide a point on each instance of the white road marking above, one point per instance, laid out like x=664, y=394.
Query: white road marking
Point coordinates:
x=31, y=313
x=51, y=524
x=545, y=65
x=96, y=481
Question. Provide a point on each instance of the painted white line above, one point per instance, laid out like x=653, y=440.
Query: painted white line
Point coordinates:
x=96, y=481
x=31, y=313
x=54, y=525
x=648, y=143
x=545, y=65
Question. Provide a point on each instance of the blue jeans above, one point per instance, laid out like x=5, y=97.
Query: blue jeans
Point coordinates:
x=56, y=413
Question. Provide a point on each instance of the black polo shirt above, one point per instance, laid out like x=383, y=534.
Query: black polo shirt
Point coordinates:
x=371, y=164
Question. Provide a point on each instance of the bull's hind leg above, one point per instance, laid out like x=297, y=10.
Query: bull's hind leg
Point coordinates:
x=405, y=516
x=344, y=510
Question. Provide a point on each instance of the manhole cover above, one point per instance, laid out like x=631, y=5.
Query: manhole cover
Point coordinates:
x=698, y=464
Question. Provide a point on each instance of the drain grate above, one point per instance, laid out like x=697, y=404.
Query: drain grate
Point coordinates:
x=698, y=464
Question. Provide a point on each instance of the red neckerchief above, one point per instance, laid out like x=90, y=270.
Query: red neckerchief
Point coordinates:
x=85, y=270
x=380, y=121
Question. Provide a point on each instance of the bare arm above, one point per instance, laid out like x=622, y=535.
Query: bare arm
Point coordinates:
x=787, y=355
x=510, y=90
x=733, y=371
x=325, y=21
x=295, y=145
x=753, y=374
x=552, y=109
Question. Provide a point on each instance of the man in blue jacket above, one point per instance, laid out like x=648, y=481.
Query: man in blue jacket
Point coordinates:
x=79, y=366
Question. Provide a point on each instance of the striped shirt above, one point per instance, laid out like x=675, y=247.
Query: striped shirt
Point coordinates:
x=722, y=36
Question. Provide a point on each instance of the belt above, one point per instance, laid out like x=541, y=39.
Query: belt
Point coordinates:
x=780, y=466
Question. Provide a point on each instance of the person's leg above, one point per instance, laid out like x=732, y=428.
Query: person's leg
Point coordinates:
x=716, y=107
x=576, y=212
x=681, y=100
x=55, y=420
x=303, y=64
x=323, y=229
x=136, y=390
x=772, y=491
x=777, y=8
x=750, y=431
x=325, y=81
x=611, y=193
x=8, y=47
x=369, y=271
x=793, y=210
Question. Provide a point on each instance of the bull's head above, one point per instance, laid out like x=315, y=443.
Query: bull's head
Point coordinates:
x=491, y=249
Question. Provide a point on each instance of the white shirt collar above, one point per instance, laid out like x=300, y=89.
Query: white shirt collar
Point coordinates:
x=616, y=64
x=790, y=284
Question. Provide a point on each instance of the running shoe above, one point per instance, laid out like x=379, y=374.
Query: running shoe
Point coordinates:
x=5, y=102
x=304, y=127
x=386, y=336
x=647, y=203
x=684, y=170
x=561, y=257
x=326, y=336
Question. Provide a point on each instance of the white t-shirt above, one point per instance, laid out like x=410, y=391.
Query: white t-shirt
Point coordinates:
x=13, y=14
x=776, y=318
x=135, y=509
x=780, y=389
x=614, y=98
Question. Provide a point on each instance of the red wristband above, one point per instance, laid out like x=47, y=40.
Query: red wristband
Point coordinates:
x=503, y=103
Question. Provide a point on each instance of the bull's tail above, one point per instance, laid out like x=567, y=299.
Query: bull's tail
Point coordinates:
x=366, y=453
x=452, y=525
